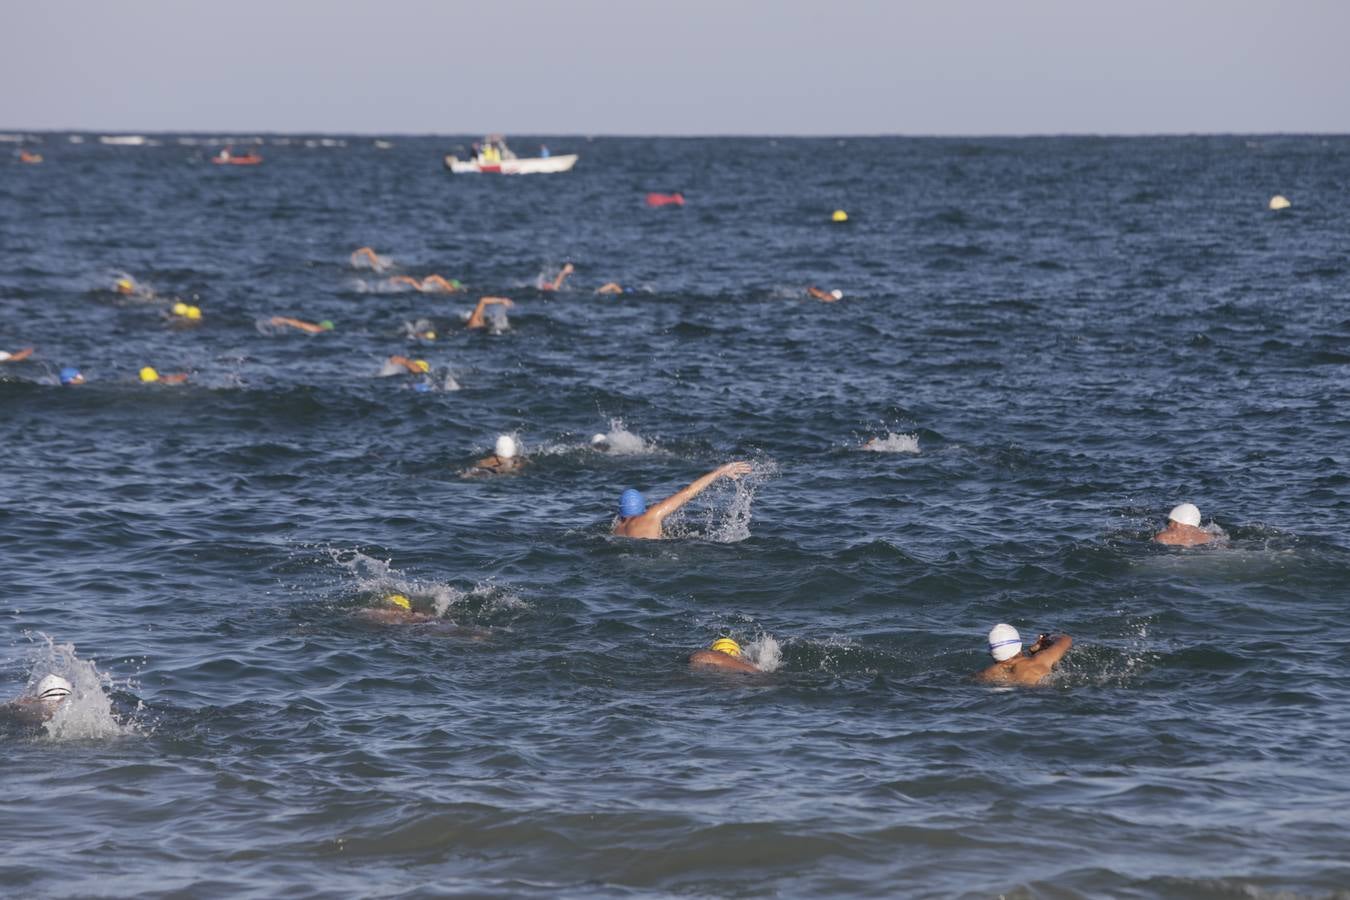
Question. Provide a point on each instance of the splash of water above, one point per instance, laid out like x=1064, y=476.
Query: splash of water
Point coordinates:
x=765, y=652
x=619, y=441
x=893, y=443
x=379, y=577
x=732, y=524
x=87, y=714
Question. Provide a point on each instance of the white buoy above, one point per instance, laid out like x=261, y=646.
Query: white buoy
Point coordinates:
x=1279, y=201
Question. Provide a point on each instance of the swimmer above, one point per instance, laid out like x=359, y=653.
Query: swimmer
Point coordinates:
x=149, y=376
x=558, y=279
x=395, y=609
x=1183, y=528
x=825, y=296
x=70, y=376
x=724, y=653
x=1013, y=666
x=185, y=314
x=612, y=287
x=479, y=317
x=637, y=521
x=16, y=356
x=376, y=261
x=40, y=705
x=307, y=327
x=600, y=443
x=414, y=366
x=505, y=459
x=30, y=158
x=432, y=284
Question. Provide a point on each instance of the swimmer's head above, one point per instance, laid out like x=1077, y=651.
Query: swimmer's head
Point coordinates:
x=506, y=447
x=400, y=601
x=1004, y=642
x=125, y=286
x=631, y=503
x=726, y=645
x=71, y=375
x=599, y=439
x=193, y=312
x=327, y=325
x=421, y=365
x=1185, y=514
x=837, y=294
x=428, y=335
x=52, y=689
x=839, y=216
x=179, y=309
x=148, y=374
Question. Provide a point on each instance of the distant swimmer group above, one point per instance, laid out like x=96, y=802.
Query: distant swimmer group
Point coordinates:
x=636, y=520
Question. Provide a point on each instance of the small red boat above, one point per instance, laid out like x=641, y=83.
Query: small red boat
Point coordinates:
x=227, y=158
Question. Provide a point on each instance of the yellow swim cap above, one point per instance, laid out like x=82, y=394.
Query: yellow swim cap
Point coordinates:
x=726, y=645
x=125, y=285
x=429, y=335
x=180, y=308
x=400, y=601
x=421, y=365
x=839, y=216
x=148, y=374
x=194, y=312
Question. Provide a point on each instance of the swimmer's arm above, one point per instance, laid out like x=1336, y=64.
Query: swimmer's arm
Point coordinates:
x=20, y=354
x=1049, y=655
x=478, y=320
x=680, y=498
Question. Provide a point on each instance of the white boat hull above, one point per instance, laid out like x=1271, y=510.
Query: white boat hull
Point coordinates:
x=537, y=165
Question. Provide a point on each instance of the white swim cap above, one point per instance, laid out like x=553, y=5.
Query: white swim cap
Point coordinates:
x=53, y=688
x=837, y=294
x=1004, y=642
x=506, y=447
x=1186, y=514
x=599, y=438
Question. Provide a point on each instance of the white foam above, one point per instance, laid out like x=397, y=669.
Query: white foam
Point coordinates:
x=377, y=576
x=893, y=443
x=87, y=713
x=765, y=653
x=379, y=263
x=619, y=441
x=732, y=524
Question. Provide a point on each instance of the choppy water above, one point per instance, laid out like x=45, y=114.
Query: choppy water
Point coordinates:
x=1055, y=339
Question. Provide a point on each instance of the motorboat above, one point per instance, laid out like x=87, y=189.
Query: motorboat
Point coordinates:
x=227, y=157
x=493, y=156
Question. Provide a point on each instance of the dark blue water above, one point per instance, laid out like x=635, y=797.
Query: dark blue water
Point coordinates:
x=1055, y=339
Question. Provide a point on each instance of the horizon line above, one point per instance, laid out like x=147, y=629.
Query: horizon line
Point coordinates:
x=675, y=135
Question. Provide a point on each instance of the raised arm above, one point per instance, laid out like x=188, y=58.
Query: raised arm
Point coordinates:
x=680, y=498
x=1049, y=651
x=18, y=355
x=478, y=319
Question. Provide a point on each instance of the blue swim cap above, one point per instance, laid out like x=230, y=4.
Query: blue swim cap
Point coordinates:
x=421, y=387
x=631, y=503
x=69, y=375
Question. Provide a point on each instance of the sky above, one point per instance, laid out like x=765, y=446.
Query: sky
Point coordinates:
x=782, y=67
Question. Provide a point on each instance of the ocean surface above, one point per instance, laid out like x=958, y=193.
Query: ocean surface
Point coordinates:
x=1053, y=341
